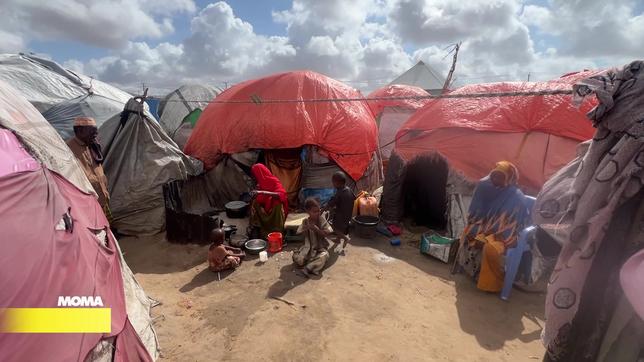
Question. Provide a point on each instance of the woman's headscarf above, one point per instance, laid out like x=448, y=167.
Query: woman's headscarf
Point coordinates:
x=509, y=170
x=266, y=181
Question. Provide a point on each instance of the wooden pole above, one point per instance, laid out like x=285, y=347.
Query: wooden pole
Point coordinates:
x=448, y=80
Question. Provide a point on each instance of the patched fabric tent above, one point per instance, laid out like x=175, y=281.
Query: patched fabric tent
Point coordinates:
x=392, y=113
x=179, y=111
x=538, y=133
x=139, y=159
x=289, y=114
x=65, y=246
x=61, y=94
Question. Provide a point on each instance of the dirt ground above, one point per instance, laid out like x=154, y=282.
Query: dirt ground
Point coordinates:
x=375, y=303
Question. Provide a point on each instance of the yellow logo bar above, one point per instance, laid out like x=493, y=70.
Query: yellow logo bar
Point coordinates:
x=55, y=320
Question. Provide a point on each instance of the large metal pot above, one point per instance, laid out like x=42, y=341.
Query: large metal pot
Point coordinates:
x=236, y=209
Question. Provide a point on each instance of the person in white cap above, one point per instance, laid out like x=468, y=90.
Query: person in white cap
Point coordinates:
x=87, y=150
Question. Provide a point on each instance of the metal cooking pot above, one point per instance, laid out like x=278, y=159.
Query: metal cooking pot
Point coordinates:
x=236, y=209
x=255, y=246
x=229, y=230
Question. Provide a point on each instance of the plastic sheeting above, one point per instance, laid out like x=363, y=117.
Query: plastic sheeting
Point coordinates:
x=62, y=115
x=13, y=157
x=390, y=121
x=40, y=139
x=397, y=90
x=139, y=159
x=538, y=134
x=177, y=105
x=345, y=130
x=53, y=261
x=45, y=83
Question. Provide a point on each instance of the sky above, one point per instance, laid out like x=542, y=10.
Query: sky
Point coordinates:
x=365, y=43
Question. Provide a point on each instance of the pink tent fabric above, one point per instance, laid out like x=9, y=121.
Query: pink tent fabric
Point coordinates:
x=632, y=279
x=13, y=157
x=40, y=262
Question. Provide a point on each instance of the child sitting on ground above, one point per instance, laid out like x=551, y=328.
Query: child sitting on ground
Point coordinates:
x=221, y=257
x=313, y=255
x=341, y=207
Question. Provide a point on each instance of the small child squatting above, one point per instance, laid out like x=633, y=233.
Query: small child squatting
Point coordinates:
x=220, y=256
x=314, y=254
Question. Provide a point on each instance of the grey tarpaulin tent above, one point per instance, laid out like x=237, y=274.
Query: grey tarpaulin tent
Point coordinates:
x=62, y=115
x=423, y=76
x=139, y=159
x=177, y=105
x=45, y=83
x=46, y=146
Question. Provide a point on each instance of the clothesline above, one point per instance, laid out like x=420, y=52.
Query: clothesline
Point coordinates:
x=258, y=100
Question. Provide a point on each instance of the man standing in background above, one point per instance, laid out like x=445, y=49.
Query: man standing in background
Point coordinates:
x=87, y=150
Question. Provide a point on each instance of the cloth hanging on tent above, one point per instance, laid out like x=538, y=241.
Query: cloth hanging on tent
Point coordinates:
x=286, y=165
x=594, y=201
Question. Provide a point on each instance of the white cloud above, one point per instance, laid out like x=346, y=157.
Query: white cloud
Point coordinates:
x=364, y=42
x=102, y=23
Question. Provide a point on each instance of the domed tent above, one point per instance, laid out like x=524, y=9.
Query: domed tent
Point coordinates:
x=139, y=159
x=67, y=248
x=449, y=144
x=393, y=113
x=180, y=110
x=61, y=94
x=283, y=113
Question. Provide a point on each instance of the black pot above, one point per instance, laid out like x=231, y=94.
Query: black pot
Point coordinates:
x=236, y=209
x=229, y=230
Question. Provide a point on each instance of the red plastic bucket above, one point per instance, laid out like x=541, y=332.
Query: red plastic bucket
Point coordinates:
x=274, y=242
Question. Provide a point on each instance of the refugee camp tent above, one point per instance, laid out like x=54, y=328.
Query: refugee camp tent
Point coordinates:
x=453, y=142
x=180, y=110
x=139, y=159
x=61, y=94
x=392, y=113
x=422, y=76
x=66, y=249
x=286, y=115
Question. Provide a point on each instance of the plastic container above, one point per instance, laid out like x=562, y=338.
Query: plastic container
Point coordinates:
x=394, y=242
x=368, y=206
x=263, y=256
x=275, y=242
x=365, y=226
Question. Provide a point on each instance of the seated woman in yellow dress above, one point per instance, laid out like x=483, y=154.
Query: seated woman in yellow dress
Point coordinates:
x=497, y=215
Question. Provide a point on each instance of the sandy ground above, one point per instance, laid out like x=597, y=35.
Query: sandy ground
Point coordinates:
x=375, y=303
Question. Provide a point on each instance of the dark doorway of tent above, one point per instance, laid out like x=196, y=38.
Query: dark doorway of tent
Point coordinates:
x=424, y=193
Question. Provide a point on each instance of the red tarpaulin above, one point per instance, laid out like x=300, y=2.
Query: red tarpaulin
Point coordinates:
x=345, y=130
x=538, y=133
x=397, y=90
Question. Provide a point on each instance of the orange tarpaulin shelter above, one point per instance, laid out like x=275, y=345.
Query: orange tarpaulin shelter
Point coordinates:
x=538, y=133
x=397, y=90
x=288, y=110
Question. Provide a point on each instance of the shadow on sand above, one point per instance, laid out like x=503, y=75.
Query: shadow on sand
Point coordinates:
x=477, y=310
x=290, y=278
x=204, y=277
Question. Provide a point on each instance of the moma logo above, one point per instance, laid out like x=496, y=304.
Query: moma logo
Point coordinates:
x=78, y=301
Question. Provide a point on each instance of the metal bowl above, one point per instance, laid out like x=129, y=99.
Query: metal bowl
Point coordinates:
x=255, y=246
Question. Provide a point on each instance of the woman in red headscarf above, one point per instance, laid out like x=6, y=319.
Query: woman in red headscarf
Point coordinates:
x=270, y=204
